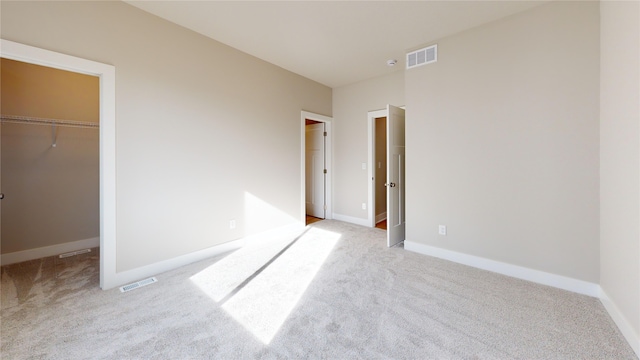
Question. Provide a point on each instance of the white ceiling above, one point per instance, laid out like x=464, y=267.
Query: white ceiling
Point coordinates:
x=335, y=43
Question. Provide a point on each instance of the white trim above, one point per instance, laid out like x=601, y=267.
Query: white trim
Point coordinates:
x=125, y=277
x=46, y=251
x=304, y=115
x=143, y=272
x=371, y=188
x=381, y=216
x=351, y=219
x=537, y=276
x=625, y=328
x=107, y=75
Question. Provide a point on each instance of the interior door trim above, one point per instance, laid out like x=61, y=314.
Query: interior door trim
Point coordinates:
x=371, y=120
x=107, y=74
x=304, y=115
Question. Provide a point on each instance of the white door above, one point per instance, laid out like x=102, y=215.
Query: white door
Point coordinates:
x=395, y=175
x=315, y=170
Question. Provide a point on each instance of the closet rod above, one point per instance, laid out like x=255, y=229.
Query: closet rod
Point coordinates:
x=40, y=121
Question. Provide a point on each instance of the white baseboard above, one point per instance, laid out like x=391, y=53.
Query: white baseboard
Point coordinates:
x=129, y=276
x=45, y=251
x=537, y=276
x=351, y=219
x=625, y=328
x=381, y=217
x=540, y=277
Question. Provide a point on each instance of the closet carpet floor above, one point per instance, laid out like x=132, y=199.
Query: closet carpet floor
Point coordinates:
x=333, y=292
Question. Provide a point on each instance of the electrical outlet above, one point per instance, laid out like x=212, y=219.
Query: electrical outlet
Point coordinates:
x=232, y=224
x=364, y=206
x=442, y=229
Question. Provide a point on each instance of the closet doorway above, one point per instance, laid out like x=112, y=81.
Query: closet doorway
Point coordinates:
x=50, y=166
x=10, y=50
x=315, y=170
x=315, y=167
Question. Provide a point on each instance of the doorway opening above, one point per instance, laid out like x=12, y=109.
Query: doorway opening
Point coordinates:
x=380, y=172
x=315, y=171
x=387, y=172
x=377, y=168
x=107, y=148
x=315, y=167
x=49, y=170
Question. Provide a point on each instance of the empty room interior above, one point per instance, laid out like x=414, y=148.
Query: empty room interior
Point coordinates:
x=350, y=179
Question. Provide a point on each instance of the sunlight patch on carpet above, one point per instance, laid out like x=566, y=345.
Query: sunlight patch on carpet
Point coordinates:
x=264, y=304
x=221, y=278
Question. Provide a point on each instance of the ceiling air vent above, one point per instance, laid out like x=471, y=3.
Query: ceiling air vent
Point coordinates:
x=422, y=56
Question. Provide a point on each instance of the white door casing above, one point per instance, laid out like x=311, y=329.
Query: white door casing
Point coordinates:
x=371, y=117
x=395, y=176
x=304, y=116
x=106, y=73
x=315, y=167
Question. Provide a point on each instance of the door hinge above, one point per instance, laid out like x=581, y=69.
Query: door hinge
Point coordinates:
x=325, y=133
x=325, y=171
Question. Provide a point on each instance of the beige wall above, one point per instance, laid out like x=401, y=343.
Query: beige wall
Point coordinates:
x=350, y=106
x=204, y=133
x=502, y=142
x=620, y=158
x=51, y=192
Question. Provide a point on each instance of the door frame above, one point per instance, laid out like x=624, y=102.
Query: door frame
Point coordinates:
x=106, y=74
x=328, y=194
x=371, y=124
x=371, y=121
x=396, y=172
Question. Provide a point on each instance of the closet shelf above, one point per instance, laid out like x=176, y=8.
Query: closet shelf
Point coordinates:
x=41, y=121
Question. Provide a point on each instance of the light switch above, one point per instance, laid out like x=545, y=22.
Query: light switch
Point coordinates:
x=364, y=166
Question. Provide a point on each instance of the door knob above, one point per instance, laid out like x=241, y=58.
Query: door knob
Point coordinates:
x=390, y=184
x=1, y=196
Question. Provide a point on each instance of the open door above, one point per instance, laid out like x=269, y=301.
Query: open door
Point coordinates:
x=395, y=176
x=315, y=169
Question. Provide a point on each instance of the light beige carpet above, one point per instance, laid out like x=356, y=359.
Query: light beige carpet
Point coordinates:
x=336, y=292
